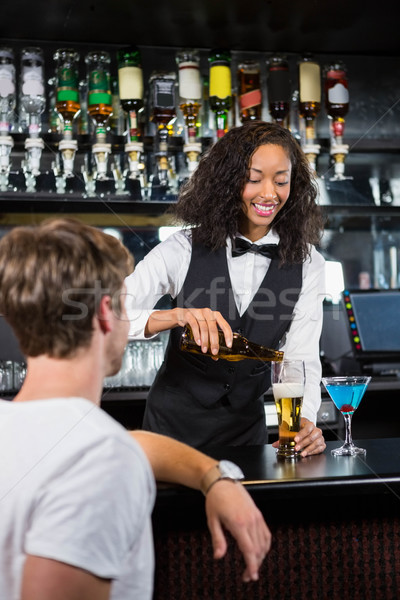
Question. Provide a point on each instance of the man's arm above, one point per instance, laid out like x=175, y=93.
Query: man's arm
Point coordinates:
x=228, y=504
x=46, y=579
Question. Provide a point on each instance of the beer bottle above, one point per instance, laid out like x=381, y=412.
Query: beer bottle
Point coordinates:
x=241, y=348
x=220, y=88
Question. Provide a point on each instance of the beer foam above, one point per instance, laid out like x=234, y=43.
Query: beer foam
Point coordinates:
x=288, y=390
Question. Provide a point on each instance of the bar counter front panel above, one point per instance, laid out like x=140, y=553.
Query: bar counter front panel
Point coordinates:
x=335, y=523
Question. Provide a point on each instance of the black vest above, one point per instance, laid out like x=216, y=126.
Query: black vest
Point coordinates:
x=265, y=321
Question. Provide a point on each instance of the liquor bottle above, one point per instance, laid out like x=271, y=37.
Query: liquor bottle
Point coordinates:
x=7, y=105
x=278, y=88
x=32, y=93
x=99, y=91
x=241, y=348
x=250, y=96
x=162, y=105
x=67, y=88
x=190, y=91
x=220, y=89
x=162, y=98
x=7, y=89
x=99, y=107
x=130, y=82
x=310, y=94
x=336, y=98
x=32, y=102
x=163, y=114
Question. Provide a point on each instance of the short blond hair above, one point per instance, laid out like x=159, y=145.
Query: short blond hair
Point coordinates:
x=52, y=277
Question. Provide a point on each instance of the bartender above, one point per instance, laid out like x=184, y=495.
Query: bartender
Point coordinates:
x=244, y=261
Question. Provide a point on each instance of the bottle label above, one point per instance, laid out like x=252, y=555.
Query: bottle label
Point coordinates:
x=34, y=129
x=67, y=127
x=278, y=85
x=310, y=82
x=32, y=81
x=67, y=94
x=67, y=78
x=189, y=81
x=130, y=82
x=99, y=81
x=250, y=99
x=133, y=126
x=220, y=81
x=7, y=84
x=164, y=96
x=338, y=94
x=4, y=127
x=99, y=98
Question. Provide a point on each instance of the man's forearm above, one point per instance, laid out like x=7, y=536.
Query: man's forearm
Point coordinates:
x=173, y=461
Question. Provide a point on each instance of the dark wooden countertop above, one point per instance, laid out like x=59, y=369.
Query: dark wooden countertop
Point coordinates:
x=312, y=481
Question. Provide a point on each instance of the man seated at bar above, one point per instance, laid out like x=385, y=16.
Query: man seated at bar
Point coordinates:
x=76, y=488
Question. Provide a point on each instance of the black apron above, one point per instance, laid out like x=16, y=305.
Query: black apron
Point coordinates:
x=204, y=402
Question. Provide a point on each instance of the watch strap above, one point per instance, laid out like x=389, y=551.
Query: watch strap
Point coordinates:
x=211, y=477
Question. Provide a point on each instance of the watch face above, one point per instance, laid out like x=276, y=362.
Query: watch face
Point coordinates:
x=229, y=469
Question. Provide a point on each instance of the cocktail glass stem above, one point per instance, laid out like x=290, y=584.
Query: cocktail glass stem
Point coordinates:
x=348, y=442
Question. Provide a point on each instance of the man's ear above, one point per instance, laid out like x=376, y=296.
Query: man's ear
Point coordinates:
x=105, y=314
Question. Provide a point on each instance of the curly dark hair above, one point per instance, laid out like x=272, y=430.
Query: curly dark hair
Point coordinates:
x=211, y=200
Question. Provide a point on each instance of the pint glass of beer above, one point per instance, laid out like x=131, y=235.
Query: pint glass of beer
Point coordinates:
x=288, y=379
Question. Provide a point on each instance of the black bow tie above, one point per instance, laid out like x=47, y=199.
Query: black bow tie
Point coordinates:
x=240, y=246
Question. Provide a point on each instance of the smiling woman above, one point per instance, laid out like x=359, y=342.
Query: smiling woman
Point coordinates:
x=254, y=184
x=266, y=190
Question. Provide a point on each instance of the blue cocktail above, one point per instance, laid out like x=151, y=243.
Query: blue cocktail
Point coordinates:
x=346, y=393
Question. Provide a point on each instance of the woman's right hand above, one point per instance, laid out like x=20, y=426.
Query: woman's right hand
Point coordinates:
x=204, y=323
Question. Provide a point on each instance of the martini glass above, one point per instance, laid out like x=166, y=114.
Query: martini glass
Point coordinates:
x=346, y=393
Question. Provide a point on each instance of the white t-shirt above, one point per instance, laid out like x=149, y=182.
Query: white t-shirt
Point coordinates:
x=74, y=487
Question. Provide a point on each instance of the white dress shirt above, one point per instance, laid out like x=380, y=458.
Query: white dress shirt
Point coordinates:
x=164, y=269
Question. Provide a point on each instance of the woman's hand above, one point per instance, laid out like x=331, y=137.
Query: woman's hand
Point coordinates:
x=309, y=440
x=204, y=323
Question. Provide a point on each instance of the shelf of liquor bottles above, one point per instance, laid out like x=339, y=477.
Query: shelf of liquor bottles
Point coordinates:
x=114, y=124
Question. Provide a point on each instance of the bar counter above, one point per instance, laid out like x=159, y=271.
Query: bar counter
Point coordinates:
x=335, y=523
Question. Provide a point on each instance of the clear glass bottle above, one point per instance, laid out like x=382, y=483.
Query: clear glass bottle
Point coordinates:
x=130, y=82
x=250, y=96
x=99, y=91
x=336, y=93
x=309, y=94
x=279, y=89
x=67, y=87
x=241, y=348
x=190, y=90
x=32, y=89
x=220, y=89
x=7, y=89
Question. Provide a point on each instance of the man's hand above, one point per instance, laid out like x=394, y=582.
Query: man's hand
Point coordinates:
x=309, y=440
x=230, y=506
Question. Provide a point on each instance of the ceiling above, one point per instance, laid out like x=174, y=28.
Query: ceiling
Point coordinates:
x=321, y=26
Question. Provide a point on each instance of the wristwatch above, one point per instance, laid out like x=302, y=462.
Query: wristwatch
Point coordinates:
x=225, y=469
